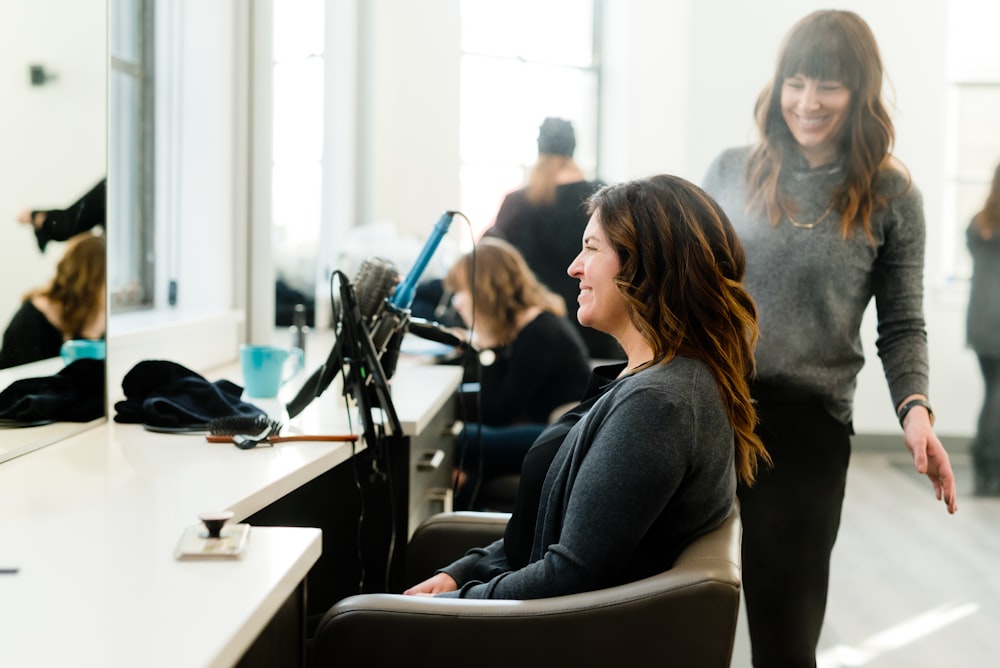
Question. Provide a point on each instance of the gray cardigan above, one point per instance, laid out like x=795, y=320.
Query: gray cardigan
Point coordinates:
x=647, y=469
x=812, y=286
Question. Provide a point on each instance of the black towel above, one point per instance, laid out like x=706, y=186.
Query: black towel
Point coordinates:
x=75, y=394
x=160, y=393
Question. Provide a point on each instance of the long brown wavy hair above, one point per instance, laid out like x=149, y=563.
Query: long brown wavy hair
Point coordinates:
x=502, y=286
x=988, y=218
x=681, y=272
x=828, y=45
x=78, y=286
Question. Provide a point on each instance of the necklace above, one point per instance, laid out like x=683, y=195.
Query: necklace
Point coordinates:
x=809, y=226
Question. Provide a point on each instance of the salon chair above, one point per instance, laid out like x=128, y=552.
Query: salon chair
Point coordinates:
x=685, y=616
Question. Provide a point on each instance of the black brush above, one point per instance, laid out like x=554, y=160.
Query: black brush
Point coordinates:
x=242, y=426
x=231, y=425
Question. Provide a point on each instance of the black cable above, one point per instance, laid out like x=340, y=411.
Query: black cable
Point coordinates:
x=361, y=501
x=477, y=372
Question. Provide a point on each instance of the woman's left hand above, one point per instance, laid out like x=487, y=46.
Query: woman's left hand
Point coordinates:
x=929, y=456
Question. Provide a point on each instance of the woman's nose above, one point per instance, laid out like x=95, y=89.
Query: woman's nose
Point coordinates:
x=574, y=267
x=809, y=99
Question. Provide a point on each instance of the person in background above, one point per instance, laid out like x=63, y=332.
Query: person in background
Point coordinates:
x=983, y=336
x=85, y=214
x=531, y=360
x=70, y=306
x=613, y=490
x=545, y=218
x=829, y=220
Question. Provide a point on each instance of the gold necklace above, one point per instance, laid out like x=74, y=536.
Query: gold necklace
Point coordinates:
x=809, y=226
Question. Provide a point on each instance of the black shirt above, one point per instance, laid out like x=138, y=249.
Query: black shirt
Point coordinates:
x=29, y=337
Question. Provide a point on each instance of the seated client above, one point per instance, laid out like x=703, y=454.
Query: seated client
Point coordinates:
x=70, y=306
x=531, y=361
x=614, y=490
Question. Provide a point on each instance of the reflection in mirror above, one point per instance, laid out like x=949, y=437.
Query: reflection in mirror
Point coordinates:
x=53, y=127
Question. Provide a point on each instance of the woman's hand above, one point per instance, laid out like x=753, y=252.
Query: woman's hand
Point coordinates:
x=436, y=584
x=929, y=456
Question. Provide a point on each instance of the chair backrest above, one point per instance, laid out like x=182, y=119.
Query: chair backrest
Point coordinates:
x=683, y=617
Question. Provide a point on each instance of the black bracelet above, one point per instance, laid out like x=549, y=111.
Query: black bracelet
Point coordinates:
x=905, y=408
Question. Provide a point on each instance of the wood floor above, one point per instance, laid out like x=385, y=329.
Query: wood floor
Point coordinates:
x=911, y=587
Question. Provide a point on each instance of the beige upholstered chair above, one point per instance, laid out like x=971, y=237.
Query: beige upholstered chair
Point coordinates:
x=683, y=617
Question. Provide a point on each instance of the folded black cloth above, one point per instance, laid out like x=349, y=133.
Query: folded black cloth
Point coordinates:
x=75, y=394
x=159, y=393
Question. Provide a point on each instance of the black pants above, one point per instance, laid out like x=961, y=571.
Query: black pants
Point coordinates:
x=986, y=444
x=790, y=522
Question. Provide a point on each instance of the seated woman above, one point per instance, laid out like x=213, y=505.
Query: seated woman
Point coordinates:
x=71, y=306
x=531, y=361
x=616, y=488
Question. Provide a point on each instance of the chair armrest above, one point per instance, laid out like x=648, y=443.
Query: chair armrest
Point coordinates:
x=443, y=538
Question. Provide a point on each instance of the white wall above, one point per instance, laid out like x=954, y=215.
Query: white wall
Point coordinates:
x=53, y=136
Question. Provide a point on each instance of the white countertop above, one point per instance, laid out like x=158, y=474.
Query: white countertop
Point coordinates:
x=91, y=523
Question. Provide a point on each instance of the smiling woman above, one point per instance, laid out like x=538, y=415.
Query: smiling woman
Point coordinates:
x=53, y=129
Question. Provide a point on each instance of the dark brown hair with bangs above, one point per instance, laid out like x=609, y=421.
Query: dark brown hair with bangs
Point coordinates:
x=829, y=45
x=681, y=269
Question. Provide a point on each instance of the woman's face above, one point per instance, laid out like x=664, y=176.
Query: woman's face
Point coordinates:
x=601, y=305
x=816, y=113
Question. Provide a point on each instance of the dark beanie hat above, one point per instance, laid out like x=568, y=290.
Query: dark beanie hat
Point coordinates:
x=556, y=137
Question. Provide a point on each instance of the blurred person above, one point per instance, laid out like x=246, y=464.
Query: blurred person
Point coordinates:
x=983, y=336
x=829, y=219
x=83, y=215
x=70, y=306
x=530, y=360
x=614, y=490
x=545, y=218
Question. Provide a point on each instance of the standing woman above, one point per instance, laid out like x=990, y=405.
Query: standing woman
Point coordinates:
x=983, y=335
x=829, y=219
x=545, y=219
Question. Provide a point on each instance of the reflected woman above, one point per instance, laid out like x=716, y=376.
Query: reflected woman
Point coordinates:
x=983, y=336
x=537, y=361
x=70, y=306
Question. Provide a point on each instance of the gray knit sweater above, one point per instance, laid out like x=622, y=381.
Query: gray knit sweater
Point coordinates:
x=812, y=286
x=647, y=469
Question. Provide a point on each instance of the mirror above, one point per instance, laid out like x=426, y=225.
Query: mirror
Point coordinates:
x=678, y=85
x=53, y=128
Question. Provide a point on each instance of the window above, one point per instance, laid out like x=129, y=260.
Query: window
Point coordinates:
x=130, y=163
x=297, y=150
x=974, y=102
x=523, y=60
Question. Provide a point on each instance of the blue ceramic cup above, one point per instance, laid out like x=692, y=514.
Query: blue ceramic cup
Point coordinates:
x=78, y=349
x=267, y=368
